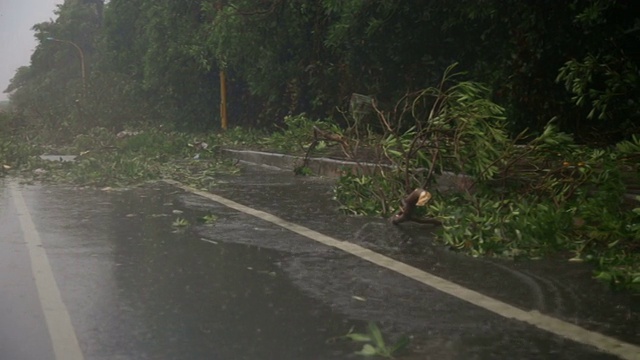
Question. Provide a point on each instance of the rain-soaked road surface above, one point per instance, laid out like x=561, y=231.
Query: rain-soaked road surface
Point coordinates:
x=131, y=286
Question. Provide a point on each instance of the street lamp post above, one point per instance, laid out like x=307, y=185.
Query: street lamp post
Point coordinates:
x=81, y=53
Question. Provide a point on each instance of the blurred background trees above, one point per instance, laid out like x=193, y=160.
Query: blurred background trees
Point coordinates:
x=159, y=61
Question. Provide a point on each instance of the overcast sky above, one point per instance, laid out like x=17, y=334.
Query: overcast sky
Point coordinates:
x=16, y=37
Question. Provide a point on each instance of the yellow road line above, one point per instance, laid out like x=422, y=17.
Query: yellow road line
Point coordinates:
x=556, y=326
x=63, y=337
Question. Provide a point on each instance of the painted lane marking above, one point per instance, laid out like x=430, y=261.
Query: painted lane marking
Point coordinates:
x=209, y=241
x=555, y=326
x=63, y=337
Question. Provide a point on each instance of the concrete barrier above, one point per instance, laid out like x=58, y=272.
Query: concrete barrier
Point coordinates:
x=319, y=166
x=333, y=168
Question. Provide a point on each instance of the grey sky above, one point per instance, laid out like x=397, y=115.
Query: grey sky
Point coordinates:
x=16, y=37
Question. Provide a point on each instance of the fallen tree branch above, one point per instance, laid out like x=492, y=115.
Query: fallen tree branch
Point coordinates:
x=320, y=135
x=418, y=197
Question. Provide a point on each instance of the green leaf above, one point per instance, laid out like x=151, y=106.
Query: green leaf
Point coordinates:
x=358, y=337
x=395, y=153
x=367, y=350
x=605, y=276
x=400, y=345
x=376, y=335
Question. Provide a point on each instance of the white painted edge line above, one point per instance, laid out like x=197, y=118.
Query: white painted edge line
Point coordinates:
x=555, y=326
x=209, y=241
x=63, y=337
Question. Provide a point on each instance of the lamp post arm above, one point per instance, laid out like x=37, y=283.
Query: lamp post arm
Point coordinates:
x=84, y=72
x=81, y=53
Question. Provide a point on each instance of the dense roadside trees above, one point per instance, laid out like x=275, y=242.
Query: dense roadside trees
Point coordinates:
x=159, y=61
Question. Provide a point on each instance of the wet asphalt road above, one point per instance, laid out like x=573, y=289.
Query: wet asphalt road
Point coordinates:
x=134, y=287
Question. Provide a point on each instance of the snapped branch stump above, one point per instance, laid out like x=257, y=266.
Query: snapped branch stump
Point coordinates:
x=418, y=197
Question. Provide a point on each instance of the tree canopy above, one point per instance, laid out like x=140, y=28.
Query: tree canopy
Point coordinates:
x=159, y=61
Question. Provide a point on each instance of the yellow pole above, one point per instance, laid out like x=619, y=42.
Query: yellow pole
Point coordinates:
x=223, y=100
x=223, y=87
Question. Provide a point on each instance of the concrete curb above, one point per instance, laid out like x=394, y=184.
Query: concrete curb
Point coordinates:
x=319, y=166
x=333, y=168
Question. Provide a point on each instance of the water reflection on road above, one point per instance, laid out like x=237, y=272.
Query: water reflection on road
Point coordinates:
x=241, y=288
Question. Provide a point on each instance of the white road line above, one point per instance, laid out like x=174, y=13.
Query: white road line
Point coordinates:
x=63, y=337
x=556, y=326
x=209, y=241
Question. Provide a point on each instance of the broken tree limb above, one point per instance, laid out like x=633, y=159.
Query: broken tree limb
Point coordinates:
x=418, y=197
x=320, y=135
x=329, y=136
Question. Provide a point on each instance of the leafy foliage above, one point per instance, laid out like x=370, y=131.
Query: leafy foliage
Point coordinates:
x=180, y=223
x=374, y=344
x=104, y=159
x=296, y=134
x=499, y=196
x=445, y=128
x=159, y=61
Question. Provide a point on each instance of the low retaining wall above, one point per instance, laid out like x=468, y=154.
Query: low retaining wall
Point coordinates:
x=333, y=168
x=319, y=166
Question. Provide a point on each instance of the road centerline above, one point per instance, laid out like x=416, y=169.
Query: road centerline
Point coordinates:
x=63, y=336
x=548, y=323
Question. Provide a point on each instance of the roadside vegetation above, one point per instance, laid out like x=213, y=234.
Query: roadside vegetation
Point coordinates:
x=103, y=158
x=529, y=142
